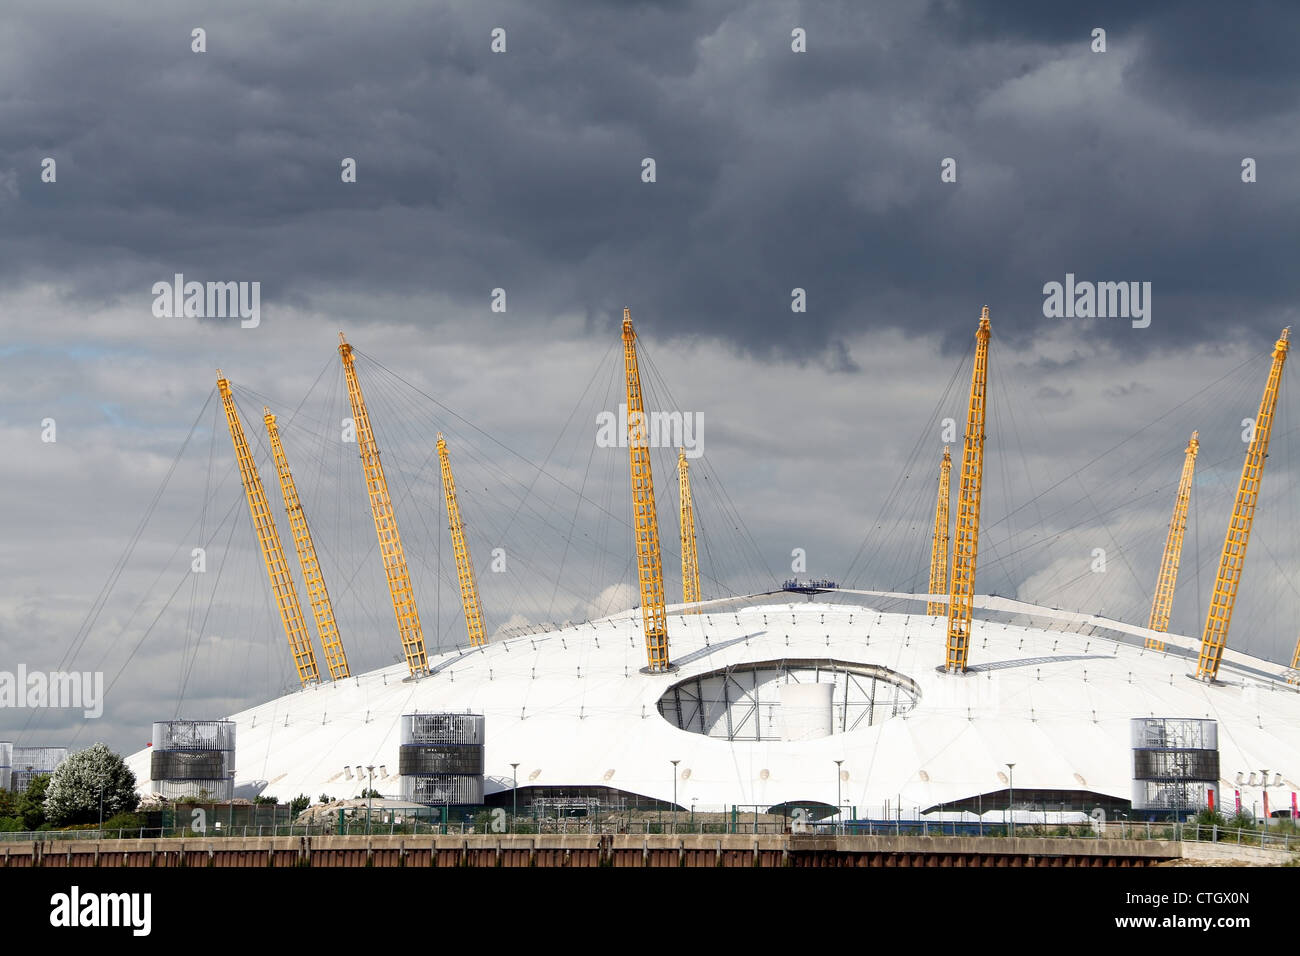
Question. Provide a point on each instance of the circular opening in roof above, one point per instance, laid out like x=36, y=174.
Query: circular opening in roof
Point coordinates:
x=790, y=699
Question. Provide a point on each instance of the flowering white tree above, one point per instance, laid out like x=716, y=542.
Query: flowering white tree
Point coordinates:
x=79, y=782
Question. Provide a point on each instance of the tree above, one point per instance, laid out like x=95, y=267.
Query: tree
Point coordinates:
x=299, y=804
x=31, y=805
x=77, y=785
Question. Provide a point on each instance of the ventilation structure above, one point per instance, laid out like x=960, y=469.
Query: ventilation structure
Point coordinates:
x=1175, y=763
x=441, y=759
x=193, y=758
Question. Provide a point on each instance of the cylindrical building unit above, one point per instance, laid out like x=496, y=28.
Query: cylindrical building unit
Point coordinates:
x=193, y=758
x=441, y=759
x=6, y=765
x=28, y=763
x=1175, y=764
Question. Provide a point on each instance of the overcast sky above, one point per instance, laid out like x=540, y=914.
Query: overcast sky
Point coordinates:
x=524, y=170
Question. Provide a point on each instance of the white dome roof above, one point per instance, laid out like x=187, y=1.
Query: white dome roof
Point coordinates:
x=573, y=708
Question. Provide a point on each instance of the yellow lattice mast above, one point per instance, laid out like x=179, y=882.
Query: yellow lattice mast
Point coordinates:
x=277, y=568
x=690, y=561
x=1294, y=676
x=939, y=540
x=1233, y=558
x=464, y=569
x=650, y=572
x=1163, y=602
x=966, y=547
x=317, y=594
x=381, y=507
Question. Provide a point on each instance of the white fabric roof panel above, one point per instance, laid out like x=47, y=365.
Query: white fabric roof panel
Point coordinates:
x=573, y=708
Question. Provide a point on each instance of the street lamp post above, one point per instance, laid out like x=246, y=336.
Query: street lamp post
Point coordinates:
x=370, y=790
x=839, y=802
x=514, y=795
x=1264, y=790
x=1263, y=784
x=674, y=763
x=1011, y=796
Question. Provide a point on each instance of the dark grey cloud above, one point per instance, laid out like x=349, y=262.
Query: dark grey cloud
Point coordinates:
x=1219, y=63
x=775, y=170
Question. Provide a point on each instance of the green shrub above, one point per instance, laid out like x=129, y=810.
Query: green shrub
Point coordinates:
x=124, y=821
x=1211, y=818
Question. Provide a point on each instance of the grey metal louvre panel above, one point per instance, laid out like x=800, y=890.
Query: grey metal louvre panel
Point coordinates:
x=442, y=729
x=415, y=759
x=1176, y=765
x=216, y=791
x=38, y=759
x=194, y=735
x=1178, y=733
x=437, y=789
x=188, y=765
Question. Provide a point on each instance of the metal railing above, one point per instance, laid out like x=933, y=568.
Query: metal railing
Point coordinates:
x=1281, y=838
x=159, y=833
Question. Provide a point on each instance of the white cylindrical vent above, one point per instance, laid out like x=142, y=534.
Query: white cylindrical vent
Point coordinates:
x=441, y=759
x=193, y=758
x=806, y=711
x=1175, y=763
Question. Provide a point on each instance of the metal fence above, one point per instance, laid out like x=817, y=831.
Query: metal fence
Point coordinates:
x=1279, y=839
x=168, y=833
x=487, y=821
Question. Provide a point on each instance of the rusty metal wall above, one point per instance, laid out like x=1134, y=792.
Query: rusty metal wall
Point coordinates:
x=488, y=851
